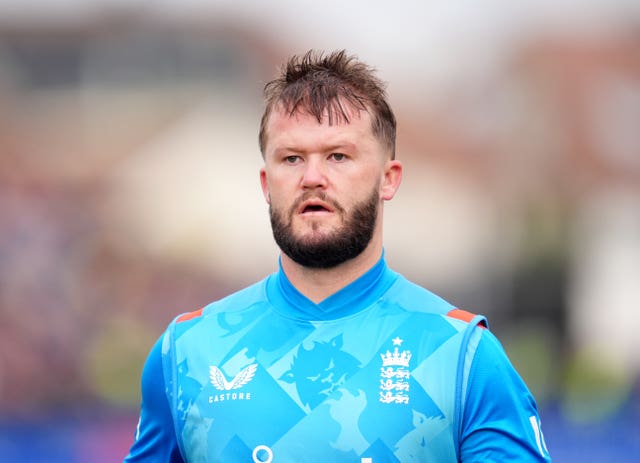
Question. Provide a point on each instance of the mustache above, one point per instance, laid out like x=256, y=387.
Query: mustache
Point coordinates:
x=320, y=195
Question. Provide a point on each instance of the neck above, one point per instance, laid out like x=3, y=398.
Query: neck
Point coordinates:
x=318, y=284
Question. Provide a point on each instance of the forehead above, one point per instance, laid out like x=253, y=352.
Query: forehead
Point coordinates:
x=301, y=128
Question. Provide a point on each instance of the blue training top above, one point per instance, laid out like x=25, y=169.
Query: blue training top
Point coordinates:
x=383, y=371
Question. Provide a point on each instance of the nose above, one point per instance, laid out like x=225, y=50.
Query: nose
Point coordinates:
x=314, y=175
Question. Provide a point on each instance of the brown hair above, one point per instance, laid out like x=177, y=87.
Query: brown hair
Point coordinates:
x=320, y=84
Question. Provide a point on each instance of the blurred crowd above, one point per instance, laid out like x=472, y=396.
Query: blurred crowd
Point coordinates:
x=76, y=313
x=80, y=301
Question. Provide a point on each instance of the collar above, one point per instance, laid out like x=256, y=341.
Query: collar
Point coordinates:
x=351, y=299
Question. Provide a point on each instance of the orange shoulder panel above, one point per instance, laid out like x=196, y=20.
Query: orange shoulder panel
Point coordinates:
x=464, y=316
x=189, y=315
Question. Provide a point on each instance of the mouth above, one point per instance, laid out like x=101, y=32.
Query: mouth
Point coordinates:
x=314, y=207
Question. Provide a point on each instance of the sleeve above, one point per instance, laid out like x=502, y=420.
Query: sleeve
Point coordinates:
x=500, y=418
x=155, y=438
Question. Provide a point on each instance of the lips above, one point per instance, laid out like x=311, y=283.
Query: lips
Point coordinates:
x=314, y=205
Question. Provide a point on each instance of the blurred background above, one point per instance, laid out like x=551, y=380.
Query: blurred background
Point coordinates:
x=129, y=193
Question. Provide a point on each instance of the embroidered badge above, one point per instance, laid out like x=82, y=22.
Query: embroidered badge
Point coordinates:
x=395, y=374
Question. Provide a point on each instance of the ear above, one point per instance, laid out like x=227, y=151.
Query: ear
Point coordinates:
x=264, y=185
x=391, y=179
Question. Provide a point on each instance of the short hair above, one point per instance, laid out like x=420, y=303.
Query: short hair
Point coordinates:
x=320, y=85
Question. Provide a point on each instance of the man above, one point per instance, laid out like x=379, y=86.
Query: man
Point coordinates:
x=335, y=358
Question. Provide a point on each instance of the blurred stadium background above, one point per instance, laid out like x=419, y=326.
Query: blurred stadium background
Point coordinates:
x=129, y=193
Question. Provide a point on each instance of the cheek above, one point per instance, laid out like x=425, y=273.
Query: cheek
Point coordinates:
x=270, y=188
x=359, y=191
x=281, y=204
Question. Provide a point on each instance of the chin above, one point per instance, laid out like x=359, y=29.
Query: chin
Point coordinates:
x=315, y=228
x=317, y=234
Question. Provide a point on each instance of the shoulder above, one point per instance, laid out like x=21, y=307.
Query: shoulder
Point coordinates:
x=415, y=298
x=237, y=301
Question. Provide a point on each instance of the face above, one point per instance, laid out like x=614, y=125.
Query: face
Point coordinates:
x=325, y=185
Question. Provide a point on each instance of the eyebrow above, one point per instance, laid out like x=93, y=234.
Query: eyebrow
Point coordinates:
x=346, y=146
x=329, y=148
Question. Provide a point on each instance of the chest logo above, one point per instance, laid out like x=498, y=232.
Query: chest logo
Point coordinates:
x=320, y=370
x=395, y=374
x=220, y=382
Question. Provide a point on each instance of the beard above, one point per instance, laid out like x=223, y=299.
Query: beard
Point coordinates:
x=323, y=250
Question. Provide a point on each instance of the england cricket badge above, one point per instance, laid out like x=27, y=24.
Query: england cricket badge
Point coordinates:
x=395, y=374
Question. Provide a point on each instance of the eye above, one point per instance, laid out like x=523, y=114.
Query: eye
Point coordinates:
x=292, y=159
x=338, y=156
